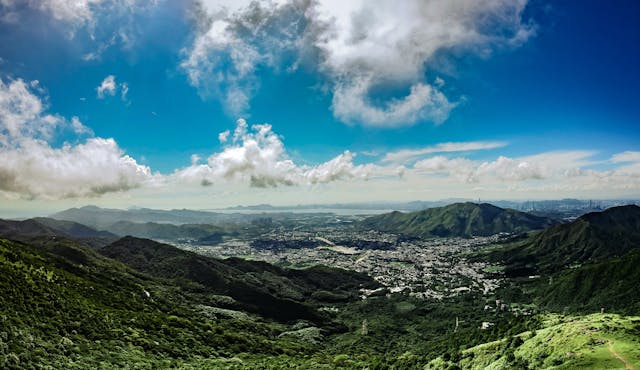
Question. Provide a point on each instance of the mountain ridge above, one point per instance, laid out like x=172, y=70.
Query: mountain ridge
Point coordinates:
x=459, y=219
x=591, y=238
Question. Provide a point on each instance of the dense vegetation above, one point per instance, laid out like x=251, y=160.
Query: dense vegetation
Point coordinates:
x=459, y=219
x=155, y=230
x=583, y=266
x=253, y=286
x=64, y=305
x=41, y=226
x=590, y=238
x=137, y=303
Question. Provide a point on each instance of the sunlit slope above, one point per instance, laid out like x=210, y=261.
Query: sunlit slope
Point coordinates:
x=597, y=341
x=459, y=219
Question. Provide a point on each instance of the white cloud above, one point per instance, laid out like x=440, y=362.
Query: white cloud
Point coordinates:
x=358, y=46
x=95, y=167
x=510, y=169
x=424, y=102
x=77, y=12
x=32, y=168
x=626, y=157
x=257, y=156
x=79, y=128
x=543, y=166
x=109, y=87
x=236, y=40
x=124, y=89
x=461, y=168
x=223, y=136
x=405, y=155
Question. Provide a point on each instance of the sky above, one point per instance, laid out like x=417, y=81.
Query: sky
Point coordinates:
x=216, y=103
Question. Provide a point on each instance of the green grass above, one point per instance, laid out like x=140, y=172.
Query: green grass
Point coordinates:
x=564, y=342
x=494, y=269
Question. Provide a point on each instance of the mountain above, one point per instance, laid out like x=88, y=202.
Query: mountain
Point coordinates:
x=41, y=226
x=65, y=306
x=582, y=266
x=165, y=231
x=257, y=286
x=77, y=231
x=610, y=284
x=102, y=218
x=21, y=230
x=458, y=219
x=73, y=229
x=591, y=238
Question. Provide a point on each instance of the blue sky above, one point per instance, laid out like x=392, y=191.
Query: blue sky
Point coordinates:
x=531, y=99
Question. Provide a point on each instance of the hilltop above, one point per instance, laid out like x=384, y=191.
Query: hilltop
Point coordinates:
x=458, y=219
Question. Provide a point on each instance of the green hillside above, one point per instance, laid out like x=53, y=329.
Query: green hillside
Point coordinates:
x=63, y=305
x=137, y=303
x=166, y=231
x=583, y=266
x=255, y=286
x=41, y=226
x=598, y=341
x=459, y=219
x=590, y=238
x=610, y=284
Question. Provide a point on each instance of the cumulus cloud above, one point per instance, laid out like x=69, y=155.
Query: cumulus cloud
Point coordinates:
x=31, y=167
x=235, y=40
x=358, y=46
x=109, y=87
x=257, y=156
x=550, y=165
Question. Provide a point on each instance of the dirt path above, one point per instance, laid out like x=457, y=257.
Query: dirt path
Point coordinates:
x=615, y=354
x=364, y=256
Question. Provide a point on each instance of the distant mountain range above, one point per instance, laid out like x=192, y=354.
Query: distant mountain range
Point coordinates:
x=557, y=208
x=103, y=218
x=459, y=219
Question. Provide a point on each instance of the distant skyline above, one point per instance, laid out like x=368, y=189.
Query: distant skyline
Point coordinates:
x=210, y=104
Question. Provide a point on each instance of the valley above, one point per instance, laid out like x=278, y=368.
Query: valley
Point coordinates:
x=319, y=290
x=423, y=268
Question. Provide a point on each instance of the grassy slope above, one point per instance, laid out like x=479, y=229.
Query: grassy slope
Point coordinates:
x=459, y=219
x=565, y=342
